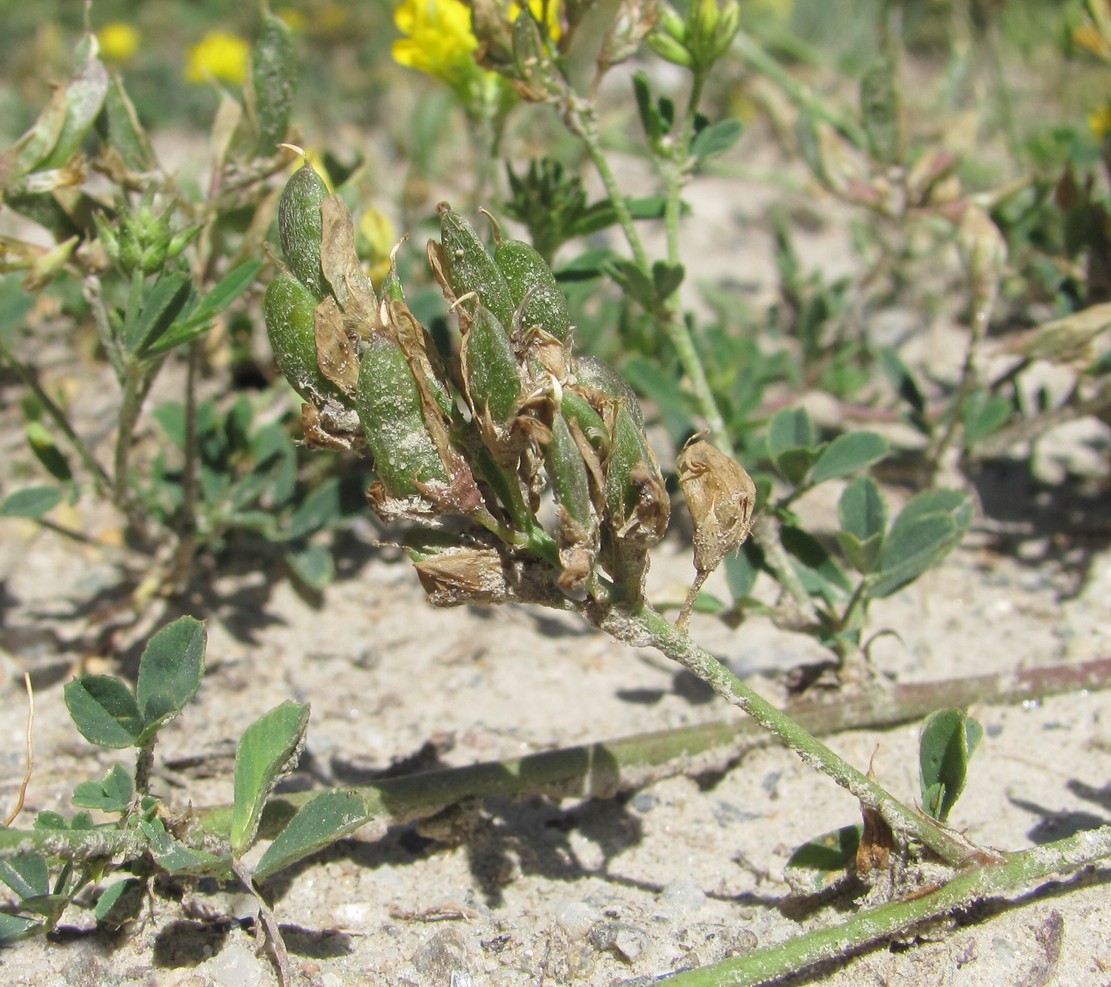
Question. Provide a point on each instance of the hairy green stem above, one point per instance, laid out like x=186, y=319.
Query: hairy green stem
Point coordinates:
x=579, y=116
x=580, y=120
x=646, y=627
x=606, y=768
x=1016, y=872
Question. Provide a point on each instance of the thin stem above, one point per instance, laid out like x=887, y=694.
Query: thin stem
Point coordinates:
x=607, y=768
x=130, y=407
x=801, y=94
x=144, y=763
x=646, y=627
x=1016, y=872
x=580, y=119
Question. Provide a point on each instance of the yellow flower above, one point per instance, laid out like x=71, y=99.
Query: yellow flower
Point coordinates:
x=1100, y=122
x=376, y=238
x=438, y=39
x=118, y=41
x=218, y=55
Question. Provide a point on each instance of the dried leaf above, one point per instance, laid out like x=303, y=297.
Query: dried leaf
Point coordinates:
x=461, y=575
x=342, y=268
x=876, y=843
x=335, y=353
x=1069, y=340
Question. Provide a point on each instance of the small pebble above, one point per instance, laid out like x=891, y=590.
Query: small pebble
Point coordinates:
x=236, y=966
x=576, y=918
x=625, y=941
x=683, y=897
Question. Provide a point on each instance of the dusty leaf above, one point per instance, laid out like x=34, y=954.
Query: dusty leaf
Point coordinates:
x=335, y=353
x=462, y=575
x=342, y=268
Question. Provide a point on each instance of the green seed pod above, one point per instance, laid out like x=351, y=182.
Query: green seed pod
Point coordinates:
x=301, y=227
x=470, y=268
x=389, y=405
x=577, y=409
x=273, y=80
x=539, y=299
x=592, y=372
x=490, y=368
x=290, y=312
x=567, y=473
x=636, y=497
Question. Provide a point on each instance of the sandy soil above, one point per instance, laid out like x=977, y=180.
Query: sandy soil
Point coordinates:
x=586, y=892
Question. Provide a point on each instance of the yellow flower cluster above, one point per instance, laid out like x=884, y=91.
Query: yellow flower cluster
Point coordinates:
x=218, y=55
x=119, y=41
x=439, y=41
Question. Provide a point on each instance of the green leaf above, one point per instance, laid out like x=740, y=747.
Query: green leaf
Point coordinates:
x=740, y=575
x=863, y=514
x=949, y=738
x=984, y=414
x=602, y=214
x=313, y=565
x=822, y=861
x=273, y=80
x=16, y=927
x=327, y=818
x=651, y=380
x=818, y=571
x=161, y=303
x=926, y=530
x=28, y=876
x=716, y=139
x=121, y=902
x=906, y=386
x=175, y=857
x=793, y=443
x=32, y=502
x=848, y=453
x=634, y=282
x=666, y=279
x=862, y=509
x=113, y=794
x=199, y=321
x=170, y=673
x=104, y=711
x=266, y=748
x=47, y=452
x=49, y=820
x=320, y=510
x=879, y=110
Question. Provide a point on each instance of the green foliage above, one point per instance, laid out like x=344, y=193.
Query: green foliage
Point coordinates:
x=152, y=265
x=170, y=672
x=268, y=745
x=949, y=739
